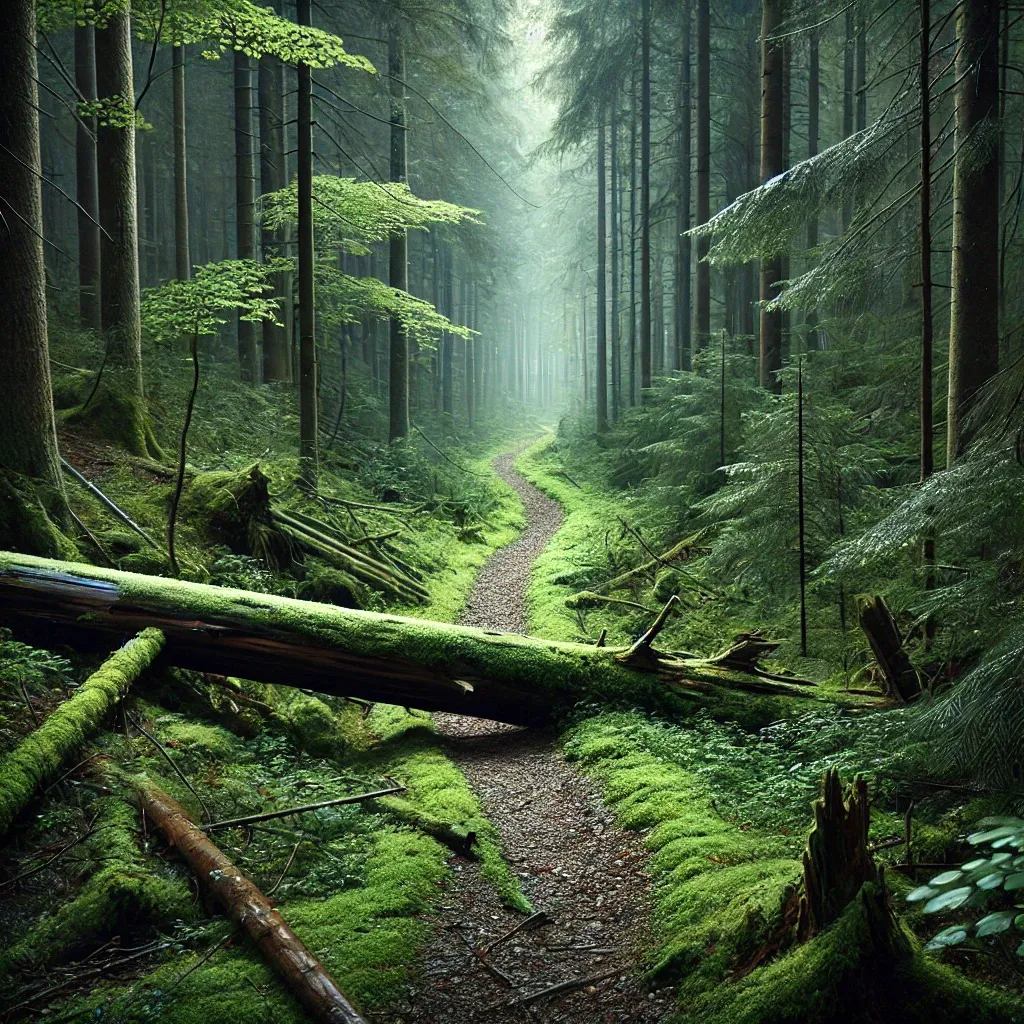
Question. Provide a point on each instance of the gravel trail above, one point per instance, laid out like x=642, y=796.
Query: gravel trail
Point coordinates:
x=574, y=863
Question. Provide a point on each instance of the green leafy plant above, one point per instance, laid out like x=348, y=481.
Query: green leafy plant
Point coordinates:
x=999, y=873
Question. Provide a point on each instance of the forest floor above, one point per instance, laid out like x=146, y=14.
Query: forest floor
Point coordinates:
x=577, y=868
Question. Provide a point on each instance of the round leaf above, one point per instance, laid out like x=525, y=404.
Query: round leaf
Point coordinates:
x=948, y=900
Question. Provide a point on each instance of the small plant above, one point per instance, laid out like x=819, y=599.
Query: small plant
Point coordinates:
x=978, y=881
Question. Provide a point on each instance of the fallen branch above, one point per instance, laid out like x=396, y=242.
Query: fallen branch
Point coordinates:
x=536, y=920
x=678, y=553
x=571, y=985
x=38, y=758
x=167, y=757
x=416, y=663
x=302, y=809
x=246, y=905
x=116, y=510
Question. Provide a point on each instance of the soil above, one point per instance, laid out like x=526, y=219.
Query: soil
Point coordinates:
x=576, y=866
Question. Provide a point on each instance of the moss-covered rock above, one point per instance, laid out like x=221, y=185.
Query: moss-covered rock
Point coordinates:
x=332, y=586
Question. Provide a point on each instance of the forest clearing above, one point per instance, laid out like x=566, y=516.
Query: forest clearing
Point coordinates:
x=509, y=511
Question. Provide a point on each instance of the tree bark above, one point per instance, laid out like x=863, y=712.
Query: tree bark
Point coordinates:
x=684, y=244
x=645, y=197
x=974, y=276
x=927, y=327
x=87, y=187
x=398, y=362
x=119, y=255
x=411, y=662
x=245, y=203
x=447, y=338
x=39, y=757
x=813, y=139
x=616, y=363
x=309, y=470
x=182, y=255
x=276, y=363
x=28, y=438
x=772, y=164
x=703, y=168
x=305, y=976
x=601, y=361
x=632, y=244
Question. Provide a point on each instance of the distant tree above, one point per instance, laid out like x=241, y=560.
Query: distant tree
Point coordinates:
x=86, y=184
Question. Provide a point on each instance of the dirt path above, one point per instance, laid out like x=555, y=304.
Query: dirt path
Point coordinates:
x=574, y=863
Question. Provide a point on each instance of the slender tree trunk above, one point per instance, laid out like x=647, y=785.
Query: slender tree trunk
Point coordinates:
x=28, y=438
x=813, y=136
x=645, y=197
x=772, y=164
x=632, y=245
x=927, y=330
x=120, y=408
x=87, y=188
x=245, y=202
x=472, y=356
x=448, y=339
x=684, y=245
x=974, y=276
x=849, y=60
x=703, y=168
x=862, y=68
x=602, y=283
x=399, y=266
x=309, y=469
x=276, y=363
x=182, y=255
x=614, y=233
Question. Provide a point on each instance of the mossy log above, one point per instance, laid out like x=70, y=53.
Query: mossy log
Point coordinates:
x=39, y=757
x=680, y=552
x=409, y=662
x=246, y=905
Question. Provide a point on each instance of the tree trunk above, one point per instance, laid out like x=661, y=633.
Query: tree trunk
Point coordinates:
x=813, y=138
x=601, y=362
x=684, y=244
x=87, y=188
x=276, y=363
x=305, y=976
x=309, y=469
x=927, y=328
x=703, y=168
x=399, y=264
x=411, y=662
x=447, y=338
x=39, y=757
x=182, y=256
x=974, y=276
x=772, y=164
x=645, y=198
x=28, y=438
x=614, y=376
x=849, y=60
x=632, y=244
x=119, y=407
x=245, y=202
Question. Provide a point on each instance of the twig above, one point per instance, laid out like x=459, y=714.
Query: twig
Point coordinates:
x=565, y=986
x=119, y=512
x=270, y=815
x=645, y=642
x=92, y=538
x=471, y=472
x=90, y=831
x=536, y=920
x=167, y=757
x=199, y=963
x=482, y=958
x=602, y=638
x=288, y=864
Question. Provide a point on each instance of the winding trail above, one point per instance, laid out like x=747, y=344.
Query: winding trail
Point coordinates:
x=574, y=863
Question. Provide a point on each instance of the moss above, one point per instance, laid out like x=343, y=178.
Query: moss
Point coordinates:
x=208, y=741
x=71, y=388
x=366, y=936
x=309, y=722
x=858, y=972
x=40, y=755
x=123, y=895
x=147, y=561
x=332, y=586
x=119, y=542
x=29, y=513
x=117, y=414
x=718, y=888
x=437, y=797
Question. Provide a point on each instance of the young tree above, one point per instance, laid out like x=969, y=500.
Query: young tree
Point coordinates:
x=398, y=361
x=703, y=168
x=602, y=282
x=182, y=250
x=28, y=438
x=974, y=276
x=645, y=195
x=245, y=202
x=684, y=244
x=87, y=190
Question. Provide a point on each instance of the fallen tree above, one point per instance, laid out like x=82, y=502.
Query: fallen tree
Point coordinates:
x=38, y=758
x=411, y=662
x=246, y=905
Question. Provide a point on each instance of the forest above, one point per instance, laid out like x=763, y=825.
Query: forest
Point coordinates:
x=510, y=510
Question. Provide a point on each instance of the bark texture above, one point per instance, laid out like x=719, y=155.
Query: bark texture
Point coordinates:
x=86, y=186
x=245, y=904
x=28, y=439
x=974, y=313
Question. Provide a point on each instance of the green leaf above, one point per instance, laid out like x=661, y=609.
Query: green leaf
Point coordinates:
x=948, y=900
x=922, y=892
x=951, y=936
x=994, y=924
x=973, y=865
x=1015, y=881
x=992, y=881
x=946, y=878
x=996, y=833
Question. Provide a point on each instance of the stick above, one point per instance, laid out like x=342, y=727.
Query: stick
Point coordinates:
x=644, y=644
x=270, y=815
x=564, y=986
x=120, y=513
x=167, y=757
x=92, y=538
x=536, y=920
